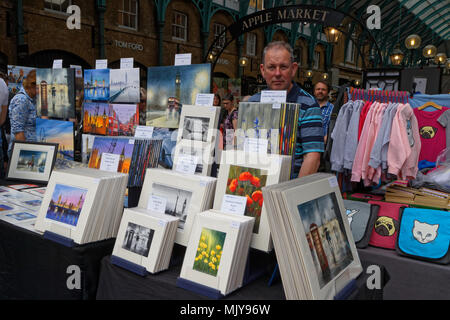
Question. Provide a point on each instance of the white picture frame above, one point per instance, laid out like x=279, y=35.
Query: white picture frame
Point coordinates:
x=22, y=165
x=202, y=151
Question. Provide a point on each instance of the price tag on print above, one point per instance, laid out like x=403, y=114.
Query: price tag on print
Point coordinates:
x=110, y=162
x=101, y=64
x=183, y=59
x=273, y=96
x=186, y=163
x=157, y=203
x=333, y=182
x=254, y=145
x=204, y=99
x=57, y=64
x=144, y=132
x=162, y=223
x=126, y=63
x=233, y=204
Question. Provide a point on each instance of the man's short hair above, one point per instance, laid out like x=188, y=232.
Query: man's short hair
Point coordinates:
x=324, y=83
x=278, y=44
x=228, y=96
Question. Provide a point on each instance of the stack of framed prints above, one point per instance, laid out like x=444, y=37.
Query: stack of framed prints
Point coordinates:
x=32, y=161
x=196, y=139
x=273, y=124
x=313, y=242
x=217, y=252
x=55, y=94
x=146, y=238
x=83, y=204
x=179, y=195
x=57, y=131
x=241, y=178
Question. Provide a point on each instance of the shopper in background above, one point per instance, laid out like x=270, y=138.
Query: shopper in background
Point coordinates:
x=229, y=123
x=22, y=112
x=278, y=68
x=217, y=100
x=321, y=91
x=4, y=98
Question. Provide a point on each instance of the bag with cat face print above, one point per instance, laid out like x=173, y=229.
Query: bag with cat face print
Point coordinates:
x=425, y=234
x=385, y=230
x=361, y=217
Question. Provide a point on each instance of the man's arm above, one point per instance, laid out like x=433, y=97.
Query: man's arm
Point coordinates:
x=310, y=165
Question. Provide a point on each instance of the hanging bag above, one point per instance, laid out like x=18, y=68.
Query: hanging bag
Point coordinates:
x=424, y=234
x=385, y=230
x=361, y=218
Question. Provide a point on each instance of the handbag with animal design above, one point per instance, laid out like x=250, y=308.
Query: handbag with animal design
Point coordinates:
x=424, y=234
x=361, y=218
x=385, y=230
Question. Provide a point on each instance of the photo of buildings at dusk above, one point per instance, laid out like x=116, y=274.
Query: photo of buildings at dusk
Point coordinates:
x=57, y=131
x=110, y=119
x=66, y=204
x=118, y=146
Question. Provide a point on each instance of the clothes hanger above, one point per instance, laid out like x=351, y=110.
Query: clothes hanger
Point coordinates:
x=430, y=104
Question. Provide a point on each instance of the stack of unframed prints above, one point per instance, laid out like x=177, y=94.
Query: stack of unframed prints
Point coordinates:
x=313, y=242
x=217, y=251
x=196, y=139
x=19, y=208
x=271, y=126
x=146, y=238
x=178, y=195
x=242, y=176
x=83, y=204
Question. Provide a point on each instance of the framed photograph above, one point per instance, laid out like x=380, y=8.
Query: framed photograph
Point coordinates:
x=179, y=195
x=19, y=217
x=142, y=237
x=120, y=148
x=32, y=161
x=96, y=117
x=171, y=87
x=243, y=177
x=198, y=123
x=123, y=119
x=67, y=204
x=96, y=84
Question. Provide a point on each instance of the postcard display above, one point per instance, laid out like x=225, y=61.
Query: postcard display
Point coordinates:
x=82, y=205
x=313, y=242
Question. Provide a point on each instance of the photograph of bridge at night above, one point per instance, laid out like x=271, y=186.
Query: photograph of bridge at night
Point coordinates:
x=96, y=84
x=66, y=204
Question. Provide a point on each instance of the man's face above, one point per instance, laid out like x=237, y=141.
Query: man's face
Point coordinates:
x=278, y=70
x=321, y=92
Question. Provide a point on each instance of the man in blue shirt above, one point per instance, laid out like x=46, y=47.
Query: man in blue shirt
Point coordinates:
x=321, y=90
x=278, y=68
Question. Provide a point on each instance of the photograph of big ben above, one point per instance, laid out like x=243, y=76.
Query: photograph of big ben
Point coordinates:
x=169, y=87
x=96, y=118
x=326, y=237
x=55, y=94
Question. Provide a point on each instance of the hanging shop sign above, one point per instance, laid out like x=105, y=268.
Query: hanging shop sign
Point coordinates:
x=129, y=45
x=301, y=13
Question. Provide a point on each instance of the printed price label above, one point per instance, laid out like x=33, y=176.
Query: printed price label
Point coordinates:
x=101, y=64
x=183, y=59
x=126, y=63
x=157, y=203
x=333, y=182
x=273, y=96
x=57, y=64
x=144, y=132
x=204, y=99
x=233, y=204
x=110, y=162
x=254, y=145
x=187, y=163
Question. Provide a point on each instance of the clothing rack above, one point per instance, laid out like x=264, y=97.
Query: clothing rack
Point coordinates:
x=383, y=96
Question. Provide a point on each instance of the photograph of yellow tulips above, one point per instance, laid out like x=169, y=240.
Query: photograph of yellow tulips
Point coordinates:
x=209, y=251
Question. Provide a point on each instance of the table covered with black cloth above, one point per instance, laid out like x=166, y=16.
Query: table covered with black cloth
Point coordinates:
x=117, y=283
x=411, y=279
x=32, y=267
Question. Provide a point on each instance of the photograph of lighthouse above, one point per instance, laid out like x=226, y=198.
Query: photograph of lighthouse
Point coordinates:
x=96, y=84
x=66, y=204
x=169, y=87
x=55, y=94
x=124, y=85
x=178, y=201
x=327, y=240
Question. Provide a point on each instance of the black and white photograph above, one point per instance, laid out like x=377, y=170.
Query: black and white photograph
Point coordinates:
x=138, y=239
x=178, y=201
x=195, y=128
x=195, y=152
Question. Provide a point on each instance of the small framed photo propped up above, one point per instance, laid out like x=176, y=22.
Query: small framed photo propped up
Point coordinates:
x=32, y=161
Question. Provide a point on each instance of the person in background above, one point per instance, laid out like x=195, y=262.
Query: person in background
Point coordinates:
x=217, y=100
x=278, y=68
x=229, y=123
x=142, y=106
x=321, y=90
x=22, y=112
x=4, y=98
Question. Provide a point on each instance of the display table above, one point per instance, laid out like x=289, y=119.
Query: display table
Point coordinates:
x=119, y=284
x=32, y=267
x=410, y=278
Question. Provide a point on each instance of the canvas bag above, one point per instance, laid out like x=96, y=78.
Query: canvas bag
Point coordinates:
x=425, y=234
x=361, y=217
x=385, y=230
